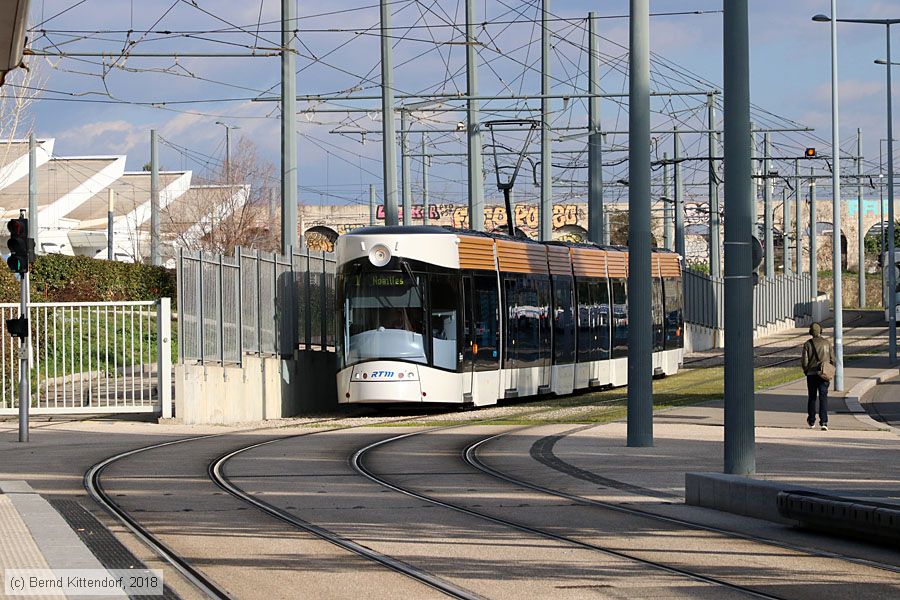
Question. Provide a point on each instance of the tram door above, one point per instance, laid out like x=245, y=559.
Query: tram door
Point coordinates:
x=481, y=339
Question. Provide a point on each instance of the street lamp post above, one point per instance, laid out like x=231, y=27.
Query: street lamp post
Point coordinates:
x=892, y=279
x=837, y=295
x=228, y=129
x=892, y=275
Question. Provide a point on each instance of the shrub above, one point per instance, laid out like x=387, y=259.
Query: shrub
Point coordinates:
x=60, y=278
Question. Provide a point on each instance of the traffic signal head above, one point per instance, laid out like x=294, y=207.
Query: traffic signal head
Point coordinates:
x=18, y=327
x=21, y=247
x=810, y=153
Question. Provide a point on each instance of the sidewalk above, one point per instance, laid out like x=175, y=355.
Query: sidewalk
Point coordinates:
x=785, y=405
x=33, y=535
x=857, y=458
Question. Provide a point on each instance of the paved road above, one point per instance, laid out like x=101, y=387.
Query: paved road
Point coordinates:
x=884, y=404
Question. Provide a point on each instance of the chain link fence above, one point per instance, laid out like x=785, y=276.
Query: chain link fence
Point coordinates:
x=775, y=299
x=254, y=303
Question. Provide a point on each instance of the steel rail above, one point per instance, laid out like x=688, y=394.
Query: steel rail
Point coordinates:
x=470, y=456
x=95, y=489
x=217, y=475
x=356, y=461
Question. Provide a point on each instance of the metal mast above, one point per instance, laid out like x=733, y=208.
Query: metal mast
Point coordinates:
x=595, y=138
x=640, y=326
x=389, y=150
x=473, y=126
x=288, y=129
x=740, y=443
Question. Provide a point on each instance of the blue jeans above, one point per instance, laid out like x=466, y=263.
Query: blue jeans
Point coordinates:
x=814, y=385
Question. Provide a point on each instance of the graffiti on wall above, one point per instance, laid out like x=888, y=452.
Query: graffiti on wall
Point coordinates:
x=527, y=216
x=565, y=221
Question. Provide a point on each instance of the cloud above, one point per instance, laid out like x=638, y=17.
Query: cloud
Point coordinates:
x=851, y=90
x=102, y=137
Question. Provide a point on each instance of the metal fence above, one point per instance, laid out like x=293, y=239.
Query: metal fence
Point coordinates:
x=253, y=303
x=774, y=299
x=90, y=357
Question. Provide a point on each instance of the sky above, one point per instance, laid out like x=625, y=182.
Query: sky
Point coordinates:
x=101, y=106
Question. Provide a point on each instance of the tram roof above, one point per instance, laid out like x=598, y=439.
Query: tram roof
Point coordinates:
x=440, y=229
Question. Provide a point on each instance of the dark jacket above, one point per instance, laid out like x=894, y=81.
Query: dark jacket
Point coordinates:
x=814, y=349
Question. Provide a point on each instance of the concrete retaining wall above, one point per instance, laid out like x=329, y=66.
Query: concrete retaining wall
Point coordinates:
x=698, y=338
x=266, y=387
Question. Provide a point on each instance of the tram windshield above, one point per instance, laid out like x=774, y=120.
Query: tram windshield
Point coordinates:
x=385, y=316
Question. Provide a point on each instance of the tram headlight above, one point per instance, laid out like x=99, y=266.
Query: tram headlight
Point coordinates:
x=379, y=255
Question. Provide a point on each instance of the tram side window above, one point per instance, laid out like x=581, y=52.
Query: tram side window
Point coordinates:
x=601, y=325
x=619, y=318
x=585, y=334
x=444, y=296
x=486, y=311
x=656, y=312
x=563, y=321
x=528, y=335
x=524, y=328
x=542, y=311
x=511, y=294
x=674, y=311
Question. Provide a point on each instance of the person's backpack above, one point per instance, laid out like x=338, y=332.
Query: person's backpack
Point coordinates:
x=826, y=369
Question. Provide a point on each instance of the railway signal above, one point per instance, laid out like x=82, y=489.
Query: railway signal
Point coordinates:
x=21, y=247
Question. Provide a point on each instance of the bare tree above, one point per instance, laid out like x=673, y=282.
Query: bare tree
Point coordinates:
x=20, y=88
x=228, y=208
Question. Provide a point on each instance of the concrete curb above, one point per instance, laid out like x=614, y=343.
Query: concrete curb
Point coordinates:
x=853, y=399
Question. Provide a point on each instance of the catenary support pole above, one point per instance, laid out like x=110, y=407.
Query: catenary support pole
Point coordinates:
x=545, y=214
x=640, y=326
x=679, y=196
x=860, y=234
x=740, y=444
x=426, y=160
x=715, y=226
x=595, y=139
x=33, y=229
x=813, y=240
x=388, y=131
x=405, y=175
x=475, y=164
x=110, y=210
x=785, y=230
x=892, y=273
x=289, y=181
x=798, y=217
x=767, y=208
x=837, y=285
x=373, y=207
x=668, y=230
x=154, y=201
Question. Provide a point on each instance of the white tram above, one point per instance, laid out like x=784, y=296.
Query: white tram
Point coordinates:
x=434, y=315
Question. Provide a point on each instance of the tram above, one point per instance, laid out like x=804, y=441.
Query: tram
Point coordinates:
x=437, y=315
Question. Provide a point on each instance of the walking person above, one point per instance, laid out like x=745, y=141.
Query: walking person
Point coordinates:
x=818, y=366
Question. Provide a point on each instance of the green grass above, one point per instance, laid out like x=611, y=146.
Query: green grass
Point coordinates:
x=689, y=387
x=84, y=342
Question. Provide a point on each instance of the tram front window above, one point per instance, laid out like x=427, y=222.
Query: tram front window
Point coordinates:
x=385, y=317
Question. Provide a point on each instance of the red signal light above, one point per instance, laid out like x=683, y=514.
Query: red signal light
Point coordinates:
x=16, y=227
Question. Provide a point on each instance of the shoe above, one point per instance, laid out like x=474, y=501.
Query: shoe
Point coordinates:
x=824, y=427
x=811, y=425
